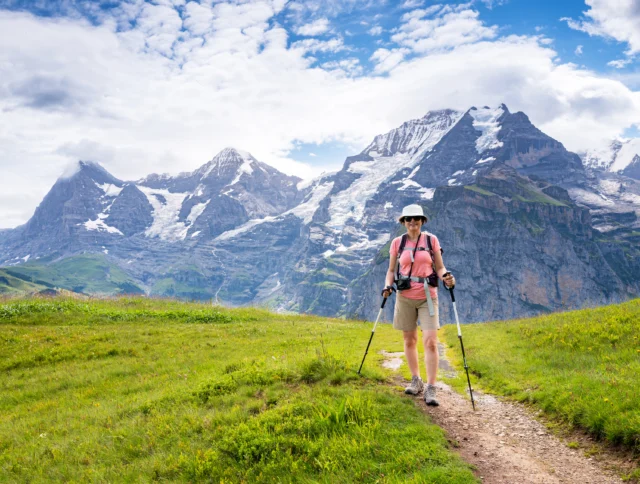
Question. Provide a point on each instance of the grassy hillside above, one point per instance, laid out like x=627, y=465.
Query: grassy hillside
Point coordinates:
x=10, y=285
x=582, y=367
x=89, y=274
x=141, y=390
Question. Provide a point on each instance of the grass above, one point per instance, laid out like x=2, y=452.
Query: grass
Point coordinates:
x=477, y=189
x=88, y=273
x=149, y=390
x=14, y=286
x=581, y=367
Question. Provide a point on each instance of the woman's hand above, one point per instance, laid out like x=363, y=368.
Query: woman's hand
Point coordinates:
x=449, y=280
x=386, y=292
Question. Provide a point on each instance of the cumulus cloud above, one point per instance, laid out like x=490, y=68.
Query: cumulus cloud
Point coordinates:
x=578, y=50
x=409, y=4
x=385, y=59
x=615, y=19
x=424, y=32
x=156, y=97
x=375, y=31
x=317, y=27
x=619, y=63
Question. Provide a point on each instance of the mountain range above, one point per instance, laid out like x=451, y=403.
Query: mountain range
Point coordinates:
x=527, y=226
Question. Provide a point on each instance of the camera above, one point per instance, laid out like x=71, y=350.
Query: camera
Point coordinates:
x=403, y=283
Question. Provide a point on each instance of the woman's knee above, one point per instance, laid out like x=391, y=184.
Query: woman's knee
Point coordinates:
x=431, y=342
x=410, y=339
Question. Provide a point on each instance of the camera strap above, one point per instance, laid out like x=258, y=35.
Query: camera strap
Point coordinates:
x=403, y=242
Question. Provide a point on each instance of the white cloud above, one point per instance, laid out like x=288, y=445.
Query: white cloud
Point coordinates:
x=620, y=63
x=70, y=90
x=375, y=31
x=315, y=45
x=385, y=59
x=615, y=19
x=350, y=66
x=578, y=50
x=317, y=27
x=451, y=27
x=408, y=4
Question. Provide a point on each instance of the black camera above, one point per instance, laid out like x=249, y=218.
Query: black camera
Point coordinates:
x=403, y=283
x=432, y=280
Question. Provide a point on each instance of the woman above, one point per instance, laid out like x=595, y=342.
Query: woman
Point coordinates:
x=416, y=299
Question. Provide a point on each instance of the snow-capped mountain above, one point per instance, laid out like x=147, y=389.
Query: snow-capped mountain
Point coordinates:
x=621, y=156
x=512, y=207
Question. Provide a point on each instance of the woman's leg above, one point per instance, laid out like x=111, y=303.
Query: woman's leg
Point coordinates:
x=411, y=351
x=431, y=358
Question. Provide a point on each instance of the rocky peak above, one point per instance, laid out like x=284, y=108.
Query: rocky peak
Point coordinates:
x=89, y=170
x=617, y=156
x=229, y=163
x=415, y=135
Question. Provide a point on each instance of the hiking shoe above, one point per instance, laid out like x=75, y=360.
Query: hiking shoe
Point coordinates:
x=430, y=396
x=415, y=387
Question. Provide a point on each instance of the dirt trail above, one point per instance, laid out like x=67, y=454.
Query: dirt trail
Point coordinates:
x=504, y=441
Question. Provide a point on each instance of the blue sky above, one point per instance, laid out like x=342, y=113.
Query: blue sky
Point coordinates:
x=163, y=85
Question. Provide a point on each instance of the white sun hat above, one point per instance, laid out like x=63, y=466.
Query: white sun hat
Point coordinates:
x=412, y=211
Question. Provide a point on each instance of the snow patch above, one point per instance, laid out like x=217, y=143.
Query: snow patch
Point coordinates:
x=388, y=205
x=196, y=211
x=195, y=234
x=100, y=226
x=306, y=209
x=459, y=172
x=166, y=225
x=327, y=253
x=451, y=182
x=109, y=189
x=245, y=168
x=349, y=204
x=631, y=198
x=627, y=153
x=409, y=184
x=610, y=187
x=485, y=160
x=365, y=244
x=590, y=198
x=486, y=121
x=26, y=257
x=427, y=193
x=229, y=234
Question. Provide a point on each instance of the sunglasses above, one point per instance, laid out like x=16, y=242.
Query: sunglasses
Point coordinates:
x=411, y=219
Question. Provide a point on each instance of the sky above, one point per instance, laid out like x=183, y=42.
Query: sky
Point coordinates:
x=161, y=86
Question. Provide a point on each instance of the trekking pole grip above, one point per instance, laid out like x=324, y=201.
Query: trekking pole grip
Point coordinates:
x=453, y=297
x=384, y=301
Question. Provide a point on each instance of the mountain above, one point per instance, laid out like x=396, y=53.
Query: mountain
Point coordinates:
x=621, y=156
x=525, y=225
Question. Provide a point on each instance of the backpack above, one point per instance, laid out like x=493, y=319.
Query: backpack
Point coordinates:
x=433, y=278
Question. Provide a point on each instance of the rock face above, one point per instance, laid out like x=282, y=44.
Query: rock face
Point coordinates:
x=526, y=227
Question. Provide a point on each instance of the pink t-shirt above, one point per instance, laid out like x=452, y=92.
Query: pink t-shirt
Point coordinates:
x=421, y=266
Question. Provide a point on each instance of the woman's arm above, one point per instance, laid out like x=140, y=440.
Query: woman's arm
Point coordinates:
x=391, y=275
x=441, y=270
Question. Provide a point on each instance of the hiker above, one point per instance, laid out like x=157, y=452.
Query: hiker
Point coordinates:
x=416, y=277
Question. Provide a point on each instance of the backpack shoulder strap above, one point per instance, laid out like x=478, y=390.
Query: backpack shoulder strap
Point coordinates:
x=403, y=242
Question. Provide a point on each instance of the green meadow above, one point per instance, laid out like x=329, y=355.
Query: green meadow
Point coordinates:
x=141, y=390
x=581, y=367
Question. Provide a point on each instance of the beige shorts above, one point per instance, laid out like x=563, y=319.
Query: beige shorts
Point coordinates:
x=409, y=311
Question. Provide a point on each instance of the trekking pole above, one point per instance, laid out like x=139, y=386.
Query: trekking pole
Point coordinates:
x=464, y=358
x=384, y=301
